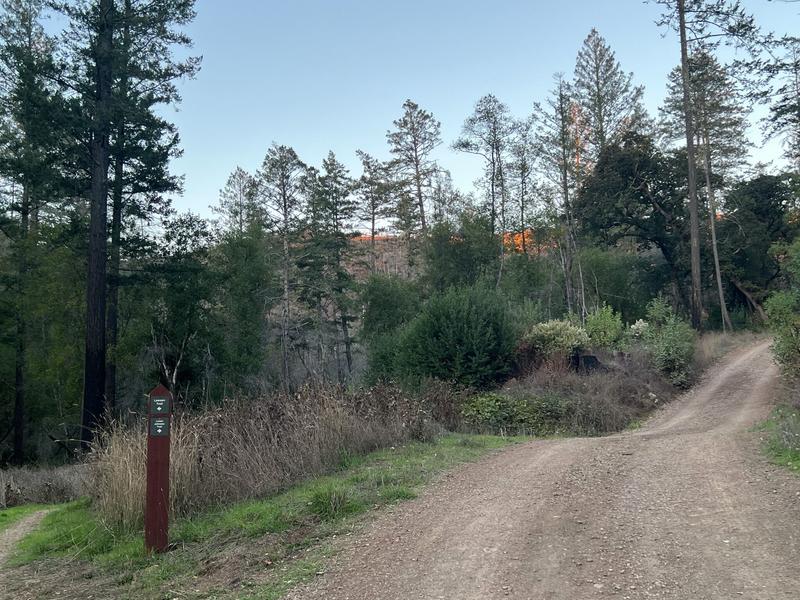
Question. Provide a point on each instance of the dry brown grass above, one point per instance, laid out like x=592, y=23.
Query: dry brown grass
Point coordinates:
x=603, y=401
x=250, y=449
x=41, y=485
x=713, y=345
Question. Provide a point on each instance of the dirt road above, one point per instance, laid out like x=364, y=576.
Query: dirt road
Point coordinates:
x=683, y=508
x=11, y=536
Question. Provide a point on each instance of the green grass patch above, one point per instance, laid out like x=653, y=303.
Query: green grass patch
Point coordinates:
x=782, y=436
x=9, y=516
x=292, y=526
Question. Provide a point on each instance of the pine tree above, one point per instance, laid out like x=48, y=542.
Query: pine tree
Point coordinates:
x=608, y=100
x=706, y=22
x=28, y=134
x=377, y=192
x=142, y=142
x=558, y=147
x=521, y=166
x=784, y=118
x=327, y=280
x=719, y=126
x=280, y=192
x=415, y=137
x=238, y=207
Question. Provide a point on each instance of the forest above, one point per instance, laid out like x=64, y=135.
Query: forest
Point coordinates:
x=591, y=222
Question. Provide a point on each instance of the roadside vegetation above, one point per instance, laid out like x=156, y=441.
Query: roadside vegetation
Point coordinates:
x=260, y=546
x=782, y=429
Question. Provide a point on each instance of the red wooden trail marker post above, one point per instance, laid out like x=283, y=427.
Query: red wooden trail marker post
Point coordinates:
x=156, y=508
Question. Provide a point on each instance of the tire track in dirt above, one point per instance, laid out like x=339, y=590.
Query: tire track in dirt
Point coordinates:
x=11, y=536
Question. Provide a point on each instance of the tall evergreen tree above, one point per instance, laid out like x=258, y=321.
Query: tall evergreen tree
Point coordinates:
x=328, y=282
x=719, y=128
x=142, y=142
x=487, y=133
x=558, y=147
x=706, y=22
x=279, y=184
x=28, y=162
x=784, y=117
x=238, y=207
x=521, y=164
x=609, y=102
x=416, y=135
x=377, y=191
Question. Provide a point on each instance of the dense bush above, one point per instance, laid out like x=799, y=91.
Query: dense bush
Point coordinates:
x=783, y=310
x=670, y=342
x=604, y=327
x=553, y=342
x=463, y=336
x=501, y=413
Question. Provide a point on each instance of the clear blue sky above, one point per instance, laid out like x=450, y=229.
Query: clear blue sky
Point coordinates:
x=323, y=75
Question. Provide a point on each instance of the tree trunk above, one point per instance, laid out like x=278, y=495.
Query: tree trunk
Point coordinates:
x=286, y=316
x=112, y=318
x=18, y=420
x=348, y=343
x=712, y=216
x=522, y=213
x=757, y=308
x=95, y=361
x=694, y=220
x=420, y=196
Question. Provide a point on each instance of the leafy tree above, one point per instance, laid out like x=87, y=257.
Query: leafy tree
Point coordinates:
x=389, y=302
x=416, y=135
x=635, y=193
x=182, y=324
x=759, y=213
x=460, y=254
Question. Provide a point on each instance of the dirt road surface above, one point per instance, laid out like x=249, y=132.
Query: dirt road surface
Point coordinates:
x=683, y=508
x=12, y=535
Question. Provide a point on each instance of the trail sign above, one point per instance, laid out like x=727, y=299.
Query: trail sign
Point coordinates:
x=156, y=510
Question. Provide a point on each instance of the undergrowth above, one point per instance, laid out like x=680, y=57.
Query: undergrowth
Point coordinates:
x=290, y=529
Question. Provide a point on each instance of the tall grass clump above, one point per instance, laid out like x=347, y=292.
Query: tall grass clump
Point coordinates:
x=251, y=449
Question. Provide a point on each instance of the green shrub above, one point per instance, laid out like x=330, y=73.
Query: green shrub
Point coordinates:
x=488, y=412
x=604, y=327
x=783, y=310
x=659, y=311
x=555, y=340
x=526, y=414
x=463, y=336
x=670, y=342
